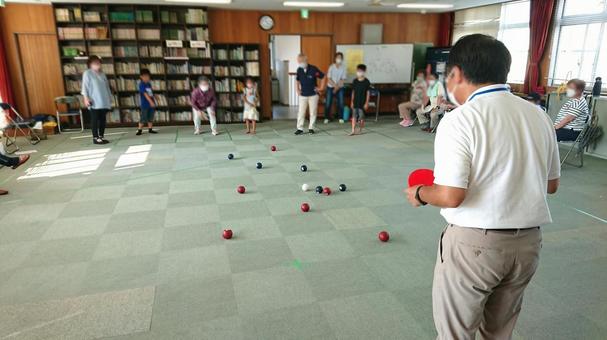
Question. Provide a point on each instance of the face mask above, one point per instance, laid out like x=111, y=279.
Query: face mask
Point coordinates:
x=338, y=61
x=420, y=78
x=360, y=74
x=431, y=82
x=249, y=85
x=570, y=93
x=204, y=88
x=303, y=65
x=96, y=67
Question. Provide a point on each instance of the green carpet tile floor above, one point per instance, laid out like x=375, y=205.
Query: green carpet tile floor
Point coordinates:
x=123, y=241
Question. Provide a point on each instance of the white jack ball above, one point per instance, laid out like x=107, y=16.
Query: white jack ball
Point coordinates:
x=305, y=187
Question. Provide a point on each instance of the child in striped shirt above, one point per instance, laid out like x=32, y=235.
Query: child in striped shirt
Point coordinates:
x=573, y=116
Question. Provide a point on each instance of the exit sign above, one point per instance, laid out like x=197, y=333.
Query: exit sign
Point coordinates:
x=305, y=13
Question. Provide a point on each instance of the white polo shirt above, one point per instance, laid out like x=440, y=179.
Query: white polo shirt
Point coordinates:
x=503, y=150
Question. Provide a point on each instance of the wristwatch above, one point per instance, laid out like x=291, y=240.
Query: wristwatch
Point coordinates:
x=417, y=196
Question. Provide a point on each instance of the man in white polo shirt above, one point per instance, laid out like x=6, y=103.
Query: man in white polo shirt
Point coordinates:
x=496, y=159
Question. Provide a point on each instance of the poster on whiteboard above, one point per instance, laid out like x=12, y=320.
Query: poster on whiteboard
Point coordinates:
x=386, y=63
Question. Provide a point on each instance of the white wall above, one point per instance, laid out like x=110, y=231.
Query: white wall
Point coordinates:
x=287, y=47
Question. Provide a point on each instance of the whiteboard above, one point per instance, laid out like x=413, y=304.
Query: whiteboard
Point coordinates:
x=386, y=63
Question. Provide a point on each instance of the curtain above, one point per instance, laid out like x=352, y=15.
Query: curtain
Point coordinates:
x=5, y=82
x=445, y=28
x=540, y=17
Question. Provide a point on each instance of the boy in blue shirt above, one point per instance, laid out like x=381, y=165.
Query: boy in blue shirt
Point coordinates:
x=148, y=104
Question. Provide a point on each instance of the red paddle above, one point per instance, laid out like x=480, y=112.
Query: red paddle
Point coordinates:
x=421, y=177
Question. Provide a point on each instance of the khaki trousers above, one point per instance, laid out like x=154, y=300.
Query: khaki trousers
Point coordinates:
x=304, y=103
x=479, y=280
x=406, y=108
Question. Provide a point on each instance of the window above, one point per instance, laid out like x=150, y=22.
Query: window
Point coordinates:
x=514, y=33
x=580, y=41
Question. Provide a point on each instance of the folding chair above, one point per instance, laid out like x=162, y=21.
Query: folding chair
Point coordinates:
x=68, y=106
x=583, y=141
x=16, y=123
x=374, y=101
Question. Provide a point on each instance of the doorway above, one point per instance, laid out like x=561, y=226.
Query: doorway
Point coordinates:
x=283, y=59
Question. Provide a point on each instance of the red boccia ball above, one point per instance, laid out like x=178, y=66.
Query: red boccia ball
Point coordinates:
x=383, y=236
x=240, y=189
x=227, y=234
x=305, y=207
x=326, y=191
x=273, y=148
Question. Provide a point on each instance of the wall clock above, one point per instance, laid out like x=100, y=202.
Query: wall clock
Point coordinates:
x=266, y=22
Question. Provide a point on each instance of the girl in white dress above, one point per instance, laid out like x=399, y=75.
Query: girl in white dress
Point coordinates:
x=251, y=101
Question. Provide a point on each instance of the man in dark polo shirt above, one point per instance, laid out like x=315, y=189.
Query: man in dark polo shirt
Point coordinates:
x=308, y=90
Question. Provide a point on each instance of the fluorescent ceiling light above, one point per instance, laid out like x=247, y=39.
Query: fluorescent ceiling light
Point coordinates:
x=203, y=1
x=425, y=6
x=312, y=4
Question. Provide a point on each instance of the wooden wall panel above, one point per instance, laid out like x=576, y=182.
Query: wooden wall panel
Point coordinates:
x=230, y=26
x=29, y=18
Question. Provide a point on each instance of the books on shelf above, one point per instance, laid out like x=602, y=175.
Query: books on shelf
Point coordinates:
x=236, y=71
x=196, y=16
x=197, y=69
x=127, y=68
x=107, y=68
x=122, y=16
x=124, y=33
x=155, y=68
x=182, y=116
x=252, y=68
x=173, y=34
x=236, y=85
x=125, y=51
x=145, y=16
x=237, y=100
x=161, y=99
x=197, y=33
x=223, y=100
x=199, y=53
x=169, y=17
x=73, y=85
x=113, y=117
x=148, y=34
x=180, y=101
x=92, y=16
x=74, y=69
x=68, y=14
x=131, y=100
x=96, y=33
x=220, y=54
x=221, y=71
x=158, y=85
x=222, y=85
x=100, y=50
x=237, y=53
x=175, y=52
x=150, y=51
x=70, y=33
x=252, y=55
x=126, y=84
x=179, y=84
x=177, y=68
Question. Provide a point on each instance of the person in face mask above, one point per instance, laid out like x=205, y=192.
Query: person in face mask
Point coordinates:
x=97, y=97
x=336, y=76
x=495, y=161
x=308, y=91
x=418, y=90
x=434, y=103
x=574, y=114
x=204, y=103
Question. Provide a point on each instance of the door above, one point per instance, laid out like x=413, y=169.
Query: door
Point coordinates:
x=319, y=49
x=41, y=88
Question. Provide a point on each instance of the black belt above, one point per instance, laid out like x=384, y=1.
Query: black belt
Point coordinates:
x=511, y=230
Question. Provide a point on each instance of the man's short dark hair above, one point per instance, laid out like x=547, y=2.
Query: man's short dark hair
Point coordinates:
x=361, y=67
x=482, y=59
x=145, y=72
x=339, y=54
x=579, y=84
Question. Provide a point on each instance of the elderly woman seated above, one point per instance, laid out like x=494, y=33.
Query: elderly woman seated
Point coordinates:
x=573, y=116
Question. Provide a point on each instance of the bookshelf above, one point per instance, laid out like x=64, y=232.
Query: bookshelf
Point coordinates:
x=232, y=64
x=171, y=41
